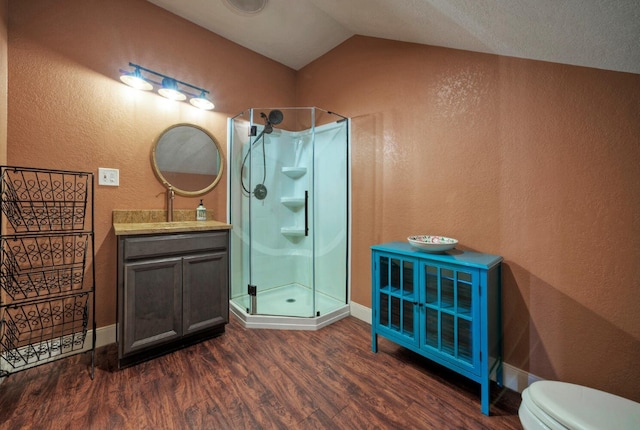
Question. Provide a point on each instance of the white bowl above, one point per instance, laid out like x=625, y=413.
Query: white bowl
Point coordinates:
x=432, y=243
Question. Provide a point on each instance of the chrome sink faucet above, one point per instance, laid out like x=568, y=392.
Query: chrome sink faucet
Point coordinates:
x=170, y=196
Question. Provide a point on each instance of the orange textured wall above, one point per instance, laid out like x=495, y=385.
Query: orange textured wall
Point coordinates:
x=3, y=80
x=68, y=110
x=534, y=161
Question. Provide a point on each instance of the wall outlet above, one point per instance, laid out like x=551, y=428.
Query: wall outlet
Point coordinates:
x=110, y=177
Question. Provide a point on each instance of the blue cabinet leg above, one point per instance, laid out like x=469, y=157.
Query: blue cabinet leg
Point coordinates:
x=484, y=397
x=374, y=342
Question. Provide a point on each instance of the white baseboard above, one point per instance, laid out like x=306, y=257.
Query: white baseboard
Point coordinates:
x=361, y=312
x=513, y=378
x=105, y=335
x=517, y=379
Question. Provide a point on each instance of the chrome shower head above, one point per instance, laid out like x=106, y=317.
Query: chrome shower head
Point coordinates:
x=275, y=117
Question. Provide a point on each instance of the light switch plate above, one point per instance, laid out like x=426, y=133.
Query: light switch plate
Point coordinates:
x=110, y=177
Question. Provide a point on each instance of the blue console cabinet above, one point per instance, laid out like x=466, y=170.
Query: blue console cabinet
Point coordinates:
x=445, y=307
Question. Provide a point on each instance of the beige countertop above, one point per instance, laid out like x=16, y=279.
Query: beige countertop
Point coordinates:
x=132, y=222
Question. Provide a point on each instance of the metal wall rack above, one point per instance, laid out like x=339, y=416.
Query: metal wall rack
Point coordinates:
x=47, y=271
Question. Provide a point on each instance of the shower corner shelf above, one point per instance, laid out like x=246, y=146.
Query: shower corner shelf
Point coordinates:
x=294, y=172
x=47, y=300
x=293, y=203
x=292, y=231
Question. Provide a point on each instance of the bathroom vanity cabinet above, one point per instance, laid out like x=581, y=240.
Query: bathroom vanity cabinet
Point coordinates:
x=445, y=307
x=173, y=291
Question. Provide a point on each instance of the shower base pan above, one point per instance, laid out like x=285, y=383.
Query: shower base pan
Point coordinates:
x=294, y=301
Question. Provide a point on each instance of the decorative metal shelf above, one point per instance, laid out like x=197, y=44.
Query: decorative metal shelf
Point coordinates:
x=37, y=200
x=37, y=332
x=37, y=266
x=47, y=279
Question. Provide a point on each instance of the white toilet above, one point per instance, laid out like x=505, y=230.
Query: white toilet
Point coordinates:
x=560, y=405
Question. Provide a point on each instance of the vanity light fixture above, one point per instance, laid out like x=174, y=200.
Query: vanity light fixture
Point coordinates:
x=168, y=87
x=202, y=102
x=136, y=80
x=170, y=90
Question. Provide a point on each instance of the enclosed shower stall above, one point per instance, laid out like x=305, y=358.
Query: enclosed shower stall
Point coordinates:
x=289, y=208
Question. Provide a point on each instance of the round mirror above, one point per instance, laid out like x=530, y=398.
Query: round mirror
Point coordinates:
x=188, y=159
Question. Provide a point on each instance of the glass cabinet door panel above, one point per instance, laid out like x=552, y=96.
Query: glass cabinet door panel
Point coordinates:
x=464, y=340
x=448, y=332
x=447, y=293
x=408, y=318
x=432, y=328
x=384, y=273
x=464, y=298
x=465, y=277
x=407, y=278
x=384, y=310
x=396, y=295
x=395, y=313
x=431, y=281
x=395, y=275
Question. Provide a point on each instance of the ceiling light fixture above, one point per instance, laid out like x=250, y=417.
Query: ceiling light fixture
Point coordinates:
x=246, y=7
x=168, y=87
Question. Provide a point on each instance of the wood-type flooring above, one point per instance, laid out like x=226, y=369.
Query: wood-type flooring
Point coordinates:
x=256, y=379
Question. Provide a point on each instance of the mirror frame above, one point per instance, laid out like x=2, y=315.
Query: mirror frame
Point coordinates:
x=166, y=183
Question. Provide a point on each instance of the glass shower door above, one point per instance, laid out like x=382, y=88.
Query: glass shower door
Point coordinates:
x=280, y=179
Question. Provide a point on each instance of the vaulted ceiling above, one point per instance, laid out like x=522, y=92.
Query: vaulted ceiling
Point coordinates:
x=603, y=34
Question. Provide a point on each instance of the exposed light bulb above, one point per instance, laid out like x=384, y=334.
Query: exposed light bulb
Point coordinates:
x=170, y=90
x=136, y=80
x=201, y=102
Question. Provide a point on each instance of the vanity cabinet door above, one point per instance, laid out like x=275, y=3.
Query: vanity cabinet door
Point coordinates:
x=205, y=291
x=152, y=303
